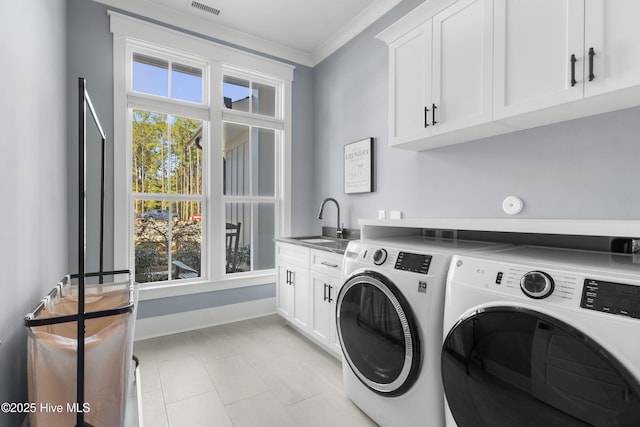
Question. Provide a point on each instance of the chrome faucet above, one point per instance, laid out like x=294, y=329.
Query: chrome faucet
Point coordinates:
x=339, y=230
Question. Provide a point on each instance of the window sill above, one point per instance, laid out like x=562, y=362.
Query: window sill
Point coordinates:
x=153, y=291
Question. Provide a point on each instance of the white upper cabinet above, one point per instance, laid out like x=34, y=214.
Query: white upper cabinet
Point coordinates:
x=462, y=65
x=538, y=58
x=466, y=69
x=440, y=74
x=611, y=45
x=410, y=85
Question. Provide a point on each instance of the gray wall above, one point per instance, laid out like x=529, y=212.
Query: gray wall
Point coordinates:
x=302, y=163
x=33, y=225
x=584, y=168
x=90, y=55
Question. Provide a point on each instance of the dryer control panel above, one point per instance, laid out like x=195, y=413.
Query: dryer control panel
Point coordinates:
x=609, y=297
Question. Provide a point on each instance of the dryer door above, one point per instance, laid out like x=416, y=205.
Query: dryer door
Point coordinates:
x=508, y=366
x=378, y=333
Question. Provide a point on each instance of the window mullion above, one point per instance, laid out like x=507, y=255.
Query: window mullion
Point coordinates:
x=166, y=106
x=242, y=117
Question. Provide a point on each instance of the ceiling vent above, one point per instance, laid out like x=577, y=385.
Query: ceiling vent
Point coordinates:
x=205, y=8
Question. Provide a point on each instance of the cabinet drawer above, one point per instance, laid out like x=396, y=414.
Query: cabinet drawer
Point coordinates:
x=327, y=263
x=294, y=254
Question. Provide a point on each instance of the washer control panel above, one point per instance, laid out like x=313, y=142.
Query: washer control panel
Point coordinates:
x=379, y=256
x=537, y=284
x=609, y=297
x=415, y=263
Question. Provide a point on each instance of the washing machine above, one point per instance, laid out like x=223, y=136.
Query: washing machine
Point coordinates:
x=542, y=337
x=389, y=323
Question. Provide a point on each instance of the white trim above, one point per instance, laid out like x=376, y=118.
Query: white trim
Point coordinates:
x=172, y=16
x=157, y=104
x=249, y=119
x=286, y=167
x=354, y=27
x=163, y=13
x=420, y=14
x=152, y=327
x=163, y=37
x=121, y=202
x=156, y=290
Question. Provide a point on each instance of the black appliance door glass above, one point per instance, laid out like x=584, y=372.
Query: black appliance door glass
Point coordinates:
x=378, y=335
x=508, y=366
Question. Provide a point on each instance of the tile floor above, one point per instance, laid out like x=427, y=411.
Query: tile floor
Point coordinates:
x=258, y=372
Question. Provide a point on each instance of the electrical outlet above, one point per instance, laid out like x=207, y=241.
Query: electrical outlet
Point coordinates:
x=396, y=215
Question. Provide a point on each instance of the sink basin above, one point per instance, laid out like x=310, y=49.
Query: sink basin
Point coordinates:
x=327, y=243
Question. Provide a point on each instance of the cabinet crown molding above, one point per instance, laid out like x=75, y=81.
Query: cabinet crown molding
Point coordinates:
x=415, y=17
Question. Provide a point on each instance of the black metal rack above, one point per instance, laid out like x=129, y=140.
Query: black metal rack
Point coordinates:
x=31, y=319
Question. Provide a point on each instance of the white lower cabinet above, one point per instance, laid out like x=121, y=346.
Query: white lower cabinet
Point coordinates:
x=292, y=288
x=326, y=279
x=307, y=286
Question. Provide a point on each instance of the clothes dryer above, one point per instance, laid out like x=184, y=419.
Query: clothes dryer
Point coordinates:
x=542, y=337
x=389, y=320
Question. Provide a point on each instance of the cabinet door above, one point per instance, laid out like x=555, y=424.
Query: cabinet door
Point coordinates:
x=462, y=65
x=284, y=292
x=410, y=85
x=612, y=30
x=534, y=41
x=300, y=307
x=320, y=322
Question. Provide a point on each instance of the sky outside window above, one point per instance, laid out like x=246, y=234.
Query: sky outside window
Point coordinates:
x=151, y=76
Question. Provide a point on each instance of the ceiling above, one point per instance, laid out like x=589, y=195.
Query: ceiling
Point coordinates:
x=301, y=31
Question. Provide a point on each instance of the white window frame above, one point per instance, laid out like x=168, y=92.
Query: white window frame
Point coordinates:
x=128, y=31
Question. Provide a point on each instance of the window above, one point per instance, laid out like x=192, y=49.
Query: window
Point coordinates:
x=201, y=184
x=250, y=150
x=245, y=95
x=167, y=158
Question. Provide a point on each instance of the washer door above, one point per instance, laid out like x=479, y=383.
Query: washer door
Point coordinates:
x=378, y=333
x=508, y=366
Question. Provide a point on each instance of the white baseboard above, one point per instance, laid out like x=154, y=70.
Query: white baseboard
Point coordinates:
x=152, y=327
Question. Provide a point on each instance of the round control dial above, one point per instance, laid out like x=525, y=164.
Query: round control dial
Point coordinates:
x=379, y=256
x=537, y=284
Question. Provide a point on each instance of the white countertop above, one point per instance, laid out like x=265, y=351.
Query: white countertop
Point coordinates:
x=580, y=227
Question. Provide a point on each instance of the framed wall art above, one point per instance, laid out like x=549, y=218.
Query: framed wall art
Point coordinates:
x=358, y=166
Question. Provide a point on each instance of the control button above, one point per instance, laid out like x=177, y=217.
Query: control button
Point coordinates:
x=537, y=284
x=379, y=256
x=499, y=278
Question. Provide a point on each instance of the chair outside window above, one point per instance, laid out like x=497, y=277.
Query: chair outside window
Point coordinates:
x=233, y=238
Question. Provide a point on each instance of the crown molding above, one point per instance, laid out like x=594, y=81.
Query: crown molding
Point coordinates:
x=357, y=25
x=164, y=14
x=194, y=24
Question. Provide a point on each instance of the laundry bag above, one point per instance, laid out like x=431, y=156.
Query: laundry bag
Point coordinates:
x=52, y=360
